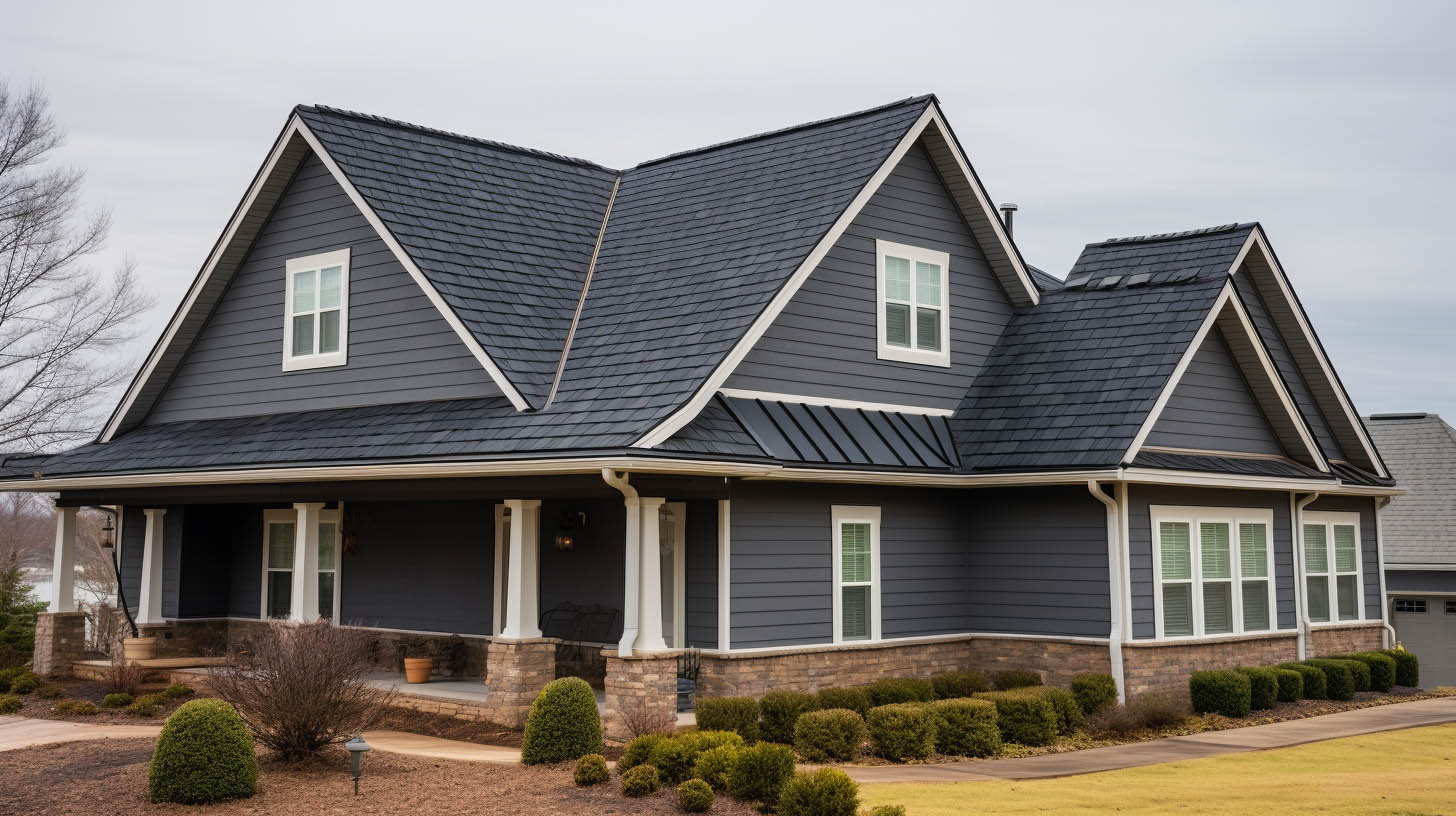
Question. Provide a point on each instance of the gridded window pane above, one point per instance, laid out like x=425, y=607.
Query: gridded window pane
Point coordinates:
x=1317, y=595
x=280, y=546
x=897, y=278
x=1450, y=607
x=1345, y=553
x=1218, y=613
x=1316, y=552
x=1253, y=551
x=1177, y=610
x=328, y=332
x=854, y=544
x=328, y=545
x=855, y=607
x=1215, y=541
x=1418, y=607
x=1173, y=550
x=897, y=324
x=927, y=284
x=329, y=288
x=1349, y=592
x=303, y=292
x=927, y=329
x=280, y=591
x=326, y=594
x=1256, y=605
x=302, y=334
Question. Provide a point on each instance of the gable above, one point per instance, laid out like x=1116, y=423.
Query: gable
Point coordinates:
x=824, y=342
x=400, y=347
x=1212, y=408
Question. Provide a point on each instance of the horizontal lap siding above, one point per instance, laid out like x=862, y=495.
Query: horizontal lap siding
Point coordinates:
x=400, y=348
x=133, y=544
x=701, y=622
x=590, y=574
x=1418, y=581
x=1369, y=551
x=1213, y=409
x=824, y=342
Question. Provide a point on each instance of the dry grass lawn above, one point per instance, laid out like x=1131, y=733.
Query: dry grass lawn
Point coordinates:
x=1398, y=772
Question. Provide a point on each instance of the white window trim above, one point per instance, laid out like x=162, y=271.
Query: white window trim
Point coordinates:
x=290, y=516
x=841, y=514
x=1233, y=516
x=1328, y=519
x=679, y=512
x=912, y=354
x=339, y=258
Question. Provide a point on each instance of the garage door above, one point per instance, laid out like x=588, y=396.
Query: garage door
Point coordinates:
x=1427, y=626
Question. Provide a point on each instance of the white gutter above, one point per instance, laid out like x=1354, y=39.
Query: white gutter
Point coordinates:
x=632, y=589
x=1114, y=585
x=1390, y=641
x=1301, y=584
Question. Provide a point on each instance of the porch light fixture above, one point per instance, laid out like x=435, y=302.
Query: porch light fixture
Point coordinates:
x=566, y=531
x=357, y=749
x=107, y=534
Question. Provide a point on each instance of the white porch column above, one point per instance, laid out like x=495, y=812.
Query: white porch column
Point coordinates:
x=649, y=631
x=149, y=605
x=63, y=563
x=522, y=590
x=303, y=600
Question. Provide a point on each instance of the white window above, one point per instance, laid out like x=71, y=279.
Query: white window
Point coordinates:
x=856, y=573
x=1413, y=606
x=316, y=311
x=912, y=288
x=1213, y=570
x=280, y=533
x=1332, y=573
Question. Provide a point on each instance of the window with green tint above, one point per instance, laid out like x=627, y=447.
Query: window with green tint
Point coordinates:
x=1317, y=597
x=1215, y=546
x=855, y=544
x=1218, y=595
x=279, y=571
x=1214, y=573
x=1254, y=570
x=1175, y=560
x=1316, y=549
x=280, y=546
x=855, y=610
x=1174, y=550
x=913, y=301
x=317, y=308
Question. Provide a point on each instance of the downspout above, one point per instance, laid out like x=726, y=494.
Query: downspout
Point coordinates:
x=1114, y=584
x=1390, y=641
x=631, y=600
x=1301, y=585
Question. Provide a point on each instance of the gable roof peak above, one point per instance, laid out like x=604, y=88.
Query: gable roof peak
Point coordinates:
x=1198, y=232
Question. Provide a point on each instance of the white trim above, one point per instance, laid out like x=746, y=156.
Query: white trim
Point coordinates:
x=523, y=589
x=841, y=514
x=834, y=402
x=1420, y=567
x=1208, y=639
x=1285, y=399
x=316, y=358
x=757, y=651
x=1390, y=596
x=150, y=591
x=1194, y=517
x=1385, y=611
x=336, y=517
x=498, y=574
x=1194, y=478
x=271, y=517
x=1168, y=387
x=725, y=576
x=912, y=353
x=679, y=512
x=649, y=618
x=63, y=564
x=1115, y=586
x=1329, y=519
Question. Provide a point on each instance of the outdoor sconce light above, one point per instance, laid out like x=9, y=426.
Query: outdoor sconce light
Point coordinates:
x=566, y=531
x=357, y=749
x=107, y=529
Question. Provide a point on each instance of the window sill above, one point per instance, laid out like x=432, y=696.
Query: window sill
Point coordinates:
x=315, y=361
x=909, y=355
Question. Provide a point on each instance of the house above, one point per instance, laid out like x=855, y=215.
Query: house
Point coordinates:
x=1419, y=531
x=795, y=401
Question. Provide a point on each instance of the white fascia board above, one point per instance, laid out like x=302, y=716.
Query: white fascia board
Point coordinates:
x=831, y=402
x=1233, y=480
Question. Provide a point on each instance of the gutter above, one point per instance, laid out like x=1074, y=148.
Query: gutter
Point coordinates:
x=1114, y=584
x=631, y=594
x=1301, y=583
x=1385, y=601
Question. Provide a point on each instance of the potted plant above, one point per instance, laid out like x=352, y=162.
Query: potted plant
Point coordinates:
x=418, y=663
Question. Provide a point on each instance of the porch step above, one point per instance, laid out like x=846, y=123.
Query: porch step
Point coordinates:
x=157, y=667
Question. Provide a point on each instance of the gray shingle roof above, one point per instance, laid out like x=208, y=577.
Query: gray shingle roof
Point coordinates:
x=1420, y=450
x=1173, y=257
x=1238, y=465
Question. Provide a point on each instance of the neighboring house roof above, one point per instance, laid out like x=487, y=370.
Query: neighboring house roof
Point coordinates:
x=1420, y=526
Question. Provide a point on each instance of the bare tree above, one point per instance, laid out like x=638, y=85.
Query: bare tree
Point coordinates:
x=62, y=325
x=27, y=529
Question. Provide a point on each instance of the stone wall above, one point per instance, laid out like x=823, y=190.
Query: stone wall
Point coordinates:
x=1345, y=639
x=516, y=671
x=641, y=692
x=60, y=640
x=1058, y=661
x=1167, y=666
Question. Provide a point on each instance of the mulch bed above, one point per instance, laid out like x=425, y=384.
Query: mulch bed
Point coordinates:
x=39, y=706
x=110, y=776
x=440, y=725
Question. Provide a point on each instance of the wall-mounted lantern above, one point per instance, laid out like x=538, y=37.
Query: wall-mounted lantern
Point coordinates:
x=569, y=530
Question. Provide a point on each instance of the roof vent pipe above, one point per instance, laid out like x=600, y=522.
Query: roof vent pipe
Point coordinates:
x=1007, y=210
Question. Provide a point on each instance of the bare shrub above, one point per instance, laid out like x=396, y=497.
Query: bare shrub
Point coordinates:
x=302, y=686
x=123, y=677
x=641, y=717
x=1153, y=710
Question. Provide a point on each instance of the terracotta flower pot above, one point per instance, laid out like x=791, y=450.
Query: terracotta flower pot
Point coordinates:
x=139, y=648
x=417, y=669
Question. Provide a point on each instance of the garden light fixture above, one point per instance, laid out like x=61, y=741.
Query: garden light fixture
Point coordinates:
x=357, y=749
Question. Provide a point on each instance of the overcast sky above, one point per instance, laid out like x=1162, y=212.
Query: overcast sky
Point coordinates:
x=1332, y=123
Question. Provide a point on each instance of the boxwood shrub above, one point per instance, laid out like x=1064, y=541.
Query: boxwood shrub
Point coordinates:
x=1407, y=667
x=640, y=781
x=1291, y=684
x=825, y=792
x=694, y=796
x=1220, y=691
x=637, y=751
x=1015, y=678
x=10, y=703
x=901, y=731
x=7, y=676
x=1359, y=671
x=951, y=685
x=778, y=711
x=84, y=708
x=673, y=758
x=1339, y=679
x=1094, y=691
x=1382, y=669
x=1263, y=686
x=116, y=700
x=205, y=754
x=563, y=723
x=1316, y=686
x=590, y=770
x=891, y=690
x=1069, y=712
x=760, y=773
x=25, y=683
x=966, y=727
x=855, y=699
x=737, y=714
x=715, y=766
x=1027, y=719
x=831, y=734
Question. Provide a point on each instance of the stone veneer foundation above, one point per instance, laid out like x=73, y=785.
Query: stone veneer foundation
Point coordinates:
x=515, y=672
x=60, y=641
x=1343, y=639
x=642, y=687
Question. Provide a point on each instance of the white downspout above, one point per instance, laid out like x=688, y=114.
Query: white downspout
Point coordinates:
x=632, y=590
x=1390, y=640
x=1301, y=585
x=1114, y=585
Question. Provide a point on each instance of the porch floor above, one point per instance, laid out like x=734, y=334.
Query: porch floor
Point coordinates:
x=472, y=690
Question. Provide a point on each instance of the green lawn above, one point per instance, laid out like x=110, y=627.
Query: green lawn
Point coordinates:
x=1398, y=772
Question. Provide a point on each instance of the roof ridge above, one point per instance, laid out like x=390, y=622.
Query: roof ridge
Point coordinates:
x=459, y=137
x=1175, y=236
x=790, y=129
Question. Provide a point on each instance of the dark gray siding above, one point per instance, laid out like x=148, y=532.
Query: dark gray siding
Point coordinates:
x=701, y=622
x=206, y=560
x=823, y=343
x=172, y=526
x=1140, y=544
x=245, y=570
x=400, y=348
x=1418, y=581
x=133, y=543
x=1212, y=407
x=591, y=574
x=1369, y=552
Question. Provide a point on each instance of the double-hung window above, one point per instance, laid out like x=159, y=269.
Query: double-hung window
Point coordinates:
x=1332, y=574
x=316, y=311
x=856, y=549
x=280, y=537
x=913, y=288
x=1213, y=570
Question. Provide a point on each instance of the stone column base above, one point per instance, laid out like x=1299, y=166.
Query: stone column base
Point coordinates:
x=515, y=672
x=60, y=640
x=641, y=692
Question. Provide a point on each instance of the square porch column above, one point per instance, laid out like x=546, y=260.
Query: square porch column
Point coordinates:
x=519, y=661
x=63, y=562
x=649, y=624
x=523, y=565
x=149, y=603
x=303, y=599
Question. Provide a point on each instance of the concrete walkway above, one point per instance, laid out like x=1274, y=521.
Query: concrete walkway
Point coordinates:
x=1233, y=741
x=24, y=732
x=401, y=742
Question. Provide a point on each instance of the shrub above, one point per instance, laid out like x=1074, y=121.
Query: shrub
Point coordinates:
x=84, y=708
x=891, y=690
x=737, y=714
x=901, y=731
x=854, y=699
x=834, y=733
x=1263, y=686
x=637, y=751
x=1359, y=671
x=563, y=723
x=1158, y=709
x=1381, y=666
x=950, y=685
x=9, y=703
x=1015, y=678
x=760, y=773
x=1069, y=712
x=1291, y=685
x=825, y=792
x=145, y=705
x=640, y=715
x=1339, y=679
x=708, y=740
x=1316, y=687
x=966, y=727
x=203, y=755
x=778, y=711
x=303, y=686
x=9, y=674
x=177, y=690
x=116, y=699
x=122, y=676
x=640, y=781
x=694, y=796
x=1093, y=691
x=1407, y=667
x=888, y=810
x=49, y=693
x=1220, y=691
x=715, y=766
x=673, y=758
x=590, y=770
x=25, y=683
x=1024, y=718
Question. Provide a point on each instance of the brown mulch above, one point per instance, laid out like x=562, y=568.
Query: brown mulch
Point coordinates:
x=440, y=725
x=37, y=704
x=110, y=776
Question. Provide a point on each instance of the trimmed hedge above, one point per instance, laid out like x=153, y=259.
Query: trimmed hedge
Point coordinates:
x=737, y=714
x=966, y=727
x=832, y=734
x=1220, y=691
x=1359, y=670
x=694, y=796
x=116, y=700
x=640, y=781
x=761, y=772
x=638, y=750
x=10, y=703
x=1069, y=713
x=1407, y=667
x=901, y=731
x=563, y=723
x=715, y=766
x=1339, y=678
x=145, y=705
x=891, y=690
x=1015, y=678
x=84, y=708
x=1263, y=686
x=778, y=711
x=708, y=740
x=952, y=685
x=1316, y=686
x=855, y=699
x=1094, y=691
x=205, y=754
x=1291, y=684
x=673, y=758
x=591, y=770
x=177, y=690
x=825, y=792
x=1027, y=719
x=1382, y=669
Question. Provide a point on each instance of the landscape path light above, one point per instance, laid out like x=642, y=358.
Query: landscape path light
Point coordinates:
x=357, y=749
